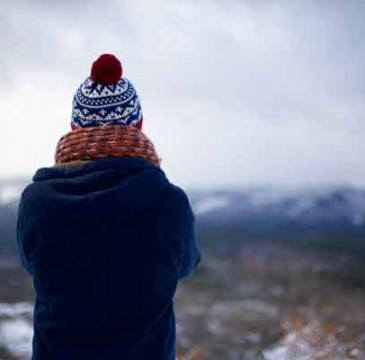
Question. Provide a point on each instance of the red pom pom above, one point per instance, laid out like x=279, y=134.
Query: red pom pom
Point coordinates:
x=106, y=70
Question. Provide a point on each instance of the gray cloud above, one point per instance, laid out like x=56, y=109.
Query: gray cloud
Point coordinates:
x=251, y=91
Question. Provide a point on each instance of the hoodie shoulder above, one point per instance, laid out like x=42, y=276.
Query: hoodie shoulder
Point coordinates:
x=27, y=195
x=180, y=204
x=179, y=195
x=175, y=202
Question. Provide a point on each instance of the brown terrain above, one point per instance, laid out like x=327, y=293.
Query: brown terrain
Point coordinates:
x=257, y=302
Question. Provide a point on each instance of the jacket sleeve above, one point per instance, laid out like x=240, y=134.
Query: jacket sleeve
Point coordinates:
x=22, y=233
x=191, y=252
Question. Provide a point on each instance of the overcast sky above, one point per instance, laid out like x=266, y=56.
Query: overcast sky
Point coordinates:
x=234, y=93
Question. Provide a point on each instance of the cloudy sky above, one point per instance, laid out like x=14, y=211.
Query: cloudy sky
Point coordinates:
x=234, y=93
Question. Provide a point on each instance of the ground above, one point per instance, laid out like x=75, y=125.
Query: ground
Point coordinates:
x=255, y=302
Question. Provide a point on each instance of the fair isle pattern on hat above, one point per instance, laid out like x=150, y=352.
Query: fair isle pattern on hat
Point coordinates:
x=95, y=104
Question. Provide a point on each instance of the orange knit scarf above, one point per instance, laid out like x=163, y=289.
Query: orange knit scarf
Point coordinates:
x=105, y=141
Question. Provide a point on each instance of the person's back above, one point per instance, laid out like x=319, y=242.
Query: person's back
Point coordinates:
x=106, y=237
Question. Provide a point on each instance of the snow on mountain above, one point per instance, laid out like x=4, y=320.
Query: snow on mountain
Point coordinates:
x=261, y=207
x=10, y=191
x=209, y=204
x=305, y=206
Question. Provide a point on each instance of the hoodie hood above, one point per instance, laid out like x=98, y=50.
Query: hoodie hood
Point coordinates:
x=109, y=187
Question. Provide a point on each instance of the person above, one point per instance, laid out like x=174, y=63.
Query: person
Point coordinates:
x=104, y=234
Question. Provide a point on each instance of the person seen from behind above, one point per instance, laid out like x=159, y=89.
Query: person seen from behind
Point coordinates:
x=104, y=234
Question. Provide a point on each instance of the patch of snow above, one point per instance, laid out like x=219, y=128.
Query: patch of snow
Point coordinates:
x=300, y=207
x=16, y=336
x=356, y=199
x=209, y=204
x=16, y=330
x=267, y=196
x=10, y=193
x=284, y=350
x=312, y=341
x=18, y=309
x=358, y=219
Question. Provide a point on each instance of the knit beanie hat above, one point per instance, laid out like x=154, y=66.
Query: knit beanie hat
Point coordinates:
x=102, y=103
x=106, y=98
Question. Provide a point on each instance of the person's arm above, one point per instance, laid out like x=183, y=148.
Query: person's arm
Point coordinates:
x=22, y=233
x=191, y=252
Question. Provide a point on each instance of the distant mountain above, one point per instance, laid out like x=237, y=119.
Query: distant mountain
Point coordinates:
x=10, y=191
x=277, y=210
x=267, y=212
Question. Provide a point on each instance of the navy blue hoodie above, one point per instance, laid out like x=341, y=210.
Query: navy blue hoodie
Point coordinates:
x=105, y=243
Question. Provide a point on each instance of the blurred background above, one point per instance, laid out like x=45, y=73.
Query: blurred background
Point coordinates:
x=256, y=109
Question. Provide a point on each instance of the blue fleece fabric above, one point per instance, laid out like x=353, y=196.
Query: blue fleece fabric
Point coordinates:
x=105, y=243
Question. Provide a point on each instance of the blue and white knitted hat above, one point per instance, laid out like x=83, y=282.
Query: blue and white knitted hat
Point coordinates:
x=106, y=98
